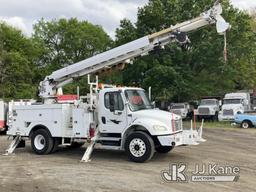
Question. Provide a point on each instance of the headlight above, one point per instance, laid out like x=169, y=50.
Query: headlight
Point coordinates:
x=159, y=128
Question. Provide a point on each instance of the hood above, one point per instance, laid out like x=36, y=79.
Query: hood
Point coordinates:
x=233, y=106
x=156, y=114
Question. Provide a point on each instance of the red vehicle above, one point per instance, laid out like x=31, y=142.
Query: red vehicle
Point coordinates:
x=3, y=115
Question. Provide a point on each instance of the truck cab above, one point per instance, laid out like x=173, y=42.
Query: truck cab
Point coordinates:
x=208, y=109
x=234, y=103
x=123, y=108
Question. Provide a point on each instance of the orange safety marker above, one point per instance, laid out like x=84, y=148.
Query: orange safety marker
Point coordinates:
x=194, y=120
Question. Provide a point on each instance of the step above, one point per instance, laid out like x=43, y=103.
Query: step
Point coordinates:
x=108, y=147
x=109, y=139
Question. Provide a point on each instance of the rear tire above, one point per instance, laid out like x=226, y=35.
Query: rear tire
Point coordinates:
x=56, y=142
x=139, y=147
x=245, y=124
x=41, y=142
x=164, y=149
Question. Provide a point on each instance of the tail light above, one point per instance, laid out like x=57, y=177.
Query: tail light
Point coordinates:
x=92, y=130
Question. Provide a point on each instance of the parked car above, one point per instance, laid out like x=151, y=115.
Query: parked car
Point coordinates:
x=246, y=120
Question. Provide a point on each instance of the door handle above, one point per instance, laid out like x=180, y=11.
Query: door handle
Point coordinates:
x=118, y=113
x=103, y=119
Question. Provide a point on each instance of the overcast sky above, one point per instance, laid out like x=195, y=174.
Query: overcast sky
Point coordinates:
x=107, y=13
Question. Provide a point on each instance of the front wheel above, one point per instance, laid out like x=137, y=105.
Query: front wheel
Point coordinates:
x=245, y=124
x=41, y=142
x=139, y=147
x=164, y=149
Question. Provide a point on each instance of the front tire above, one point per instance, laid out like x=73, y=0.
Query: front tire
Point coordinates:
x=164, y=149
x=139, y=147
x=42, y=142
x=245, y=124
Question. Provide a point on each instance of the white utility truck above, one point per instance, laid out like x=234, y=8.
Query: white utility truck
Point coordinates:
x=208, y=109
x=234, y=103
x=185, y=110
x=109, y=117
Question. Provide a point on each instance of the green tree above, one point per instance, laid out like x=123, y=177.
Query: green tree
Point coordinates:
x=67, y=41
x=17, y=69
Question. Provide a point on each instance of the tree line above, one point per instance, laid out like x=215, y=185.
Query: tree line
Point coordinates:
x=176, y=73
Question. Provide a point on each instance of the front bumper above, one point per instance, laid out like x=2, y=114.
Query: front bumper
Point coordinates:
x=226, y=117
x=184, y=137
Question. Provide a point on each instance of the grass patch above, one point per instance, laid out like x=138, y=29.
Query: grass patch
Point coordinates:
x=215, y=124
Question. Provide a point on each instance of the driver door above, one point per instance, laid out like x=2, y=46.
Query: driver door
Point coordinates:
x=112, y=115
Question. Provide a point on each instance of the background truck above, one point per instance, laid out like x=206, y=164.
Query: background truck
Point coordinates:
x=185, y=110
x=3, y=115
x=234, y=103
x=208, y=109
x=109, y=117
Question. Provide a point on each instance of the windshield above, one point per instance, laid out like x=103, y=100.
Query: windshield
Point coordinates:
x=232, y=101
x=178, y=106
x=137, y=100
x=208, y=102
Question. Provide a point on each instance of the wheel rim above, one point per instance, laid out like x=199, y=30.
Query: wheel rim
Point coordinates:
x=137, y=147
x=245, y=125
x=39, y=142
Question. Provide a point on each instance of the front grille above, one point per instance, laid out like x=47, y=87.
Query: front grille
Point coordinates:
x=178, y=125
x=228, y=112
x=177, y=112
x=204, y=111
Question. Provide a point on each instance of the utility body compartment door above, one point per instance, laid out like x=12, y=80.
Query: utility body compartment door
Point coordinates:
x=81, y=122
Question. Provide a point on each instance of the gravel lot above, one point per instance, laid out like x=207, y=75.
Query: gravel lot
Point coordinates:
x=112, y=171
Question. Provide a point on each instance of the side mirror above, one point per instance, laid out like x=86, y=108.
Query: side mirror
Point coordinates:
x=111, y=103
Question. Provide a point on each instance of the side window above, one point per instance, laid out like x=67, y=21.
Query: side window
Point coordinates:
x=118, y=101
